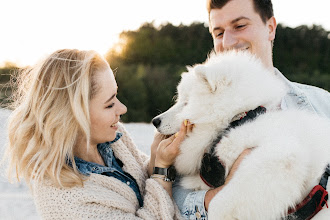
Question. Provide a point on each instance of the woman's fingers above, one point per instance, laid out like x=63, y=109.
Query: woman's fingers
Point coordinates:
x=179, y=136
x=159, y=137
x=169, y=148
x=167, y=141
x=185, y=129
x=190, y=127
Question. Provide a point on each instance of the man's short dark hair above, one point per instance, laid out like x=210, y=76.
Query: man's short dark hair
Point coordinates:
x=263, y=7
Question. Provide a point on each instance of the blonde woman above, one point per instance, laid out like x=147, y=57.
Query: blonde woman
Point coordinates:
x=66, y=141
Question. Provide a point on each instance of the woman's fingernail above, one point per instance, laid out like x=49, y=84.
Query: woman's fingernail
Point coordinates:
x=185, y=122
x=176, y=134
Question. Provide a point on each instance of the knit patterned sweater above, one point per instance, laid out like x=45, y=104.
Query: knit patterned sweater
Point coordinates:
x=104, y=197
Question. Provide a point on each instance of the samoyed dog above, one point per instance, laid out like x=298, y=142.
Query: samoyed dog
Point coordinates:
x=291, y=148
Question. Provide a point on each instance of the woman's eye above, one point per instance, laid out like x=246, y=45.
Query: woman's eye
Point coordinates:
x=110, y=106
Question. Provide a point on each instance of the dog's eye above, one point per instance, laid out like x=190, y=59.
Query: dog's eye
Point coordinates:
x=186, y=103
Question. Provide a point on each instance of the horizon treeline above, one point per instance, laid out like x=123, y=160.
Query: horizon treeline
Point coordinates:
x=148, y=62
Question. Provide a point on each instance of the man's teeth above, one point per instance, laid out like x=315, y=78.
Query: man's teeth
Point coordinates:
x=113, y=125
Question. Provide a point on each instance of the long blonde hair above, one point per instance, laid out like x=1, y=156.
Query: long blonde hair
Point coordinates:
x=51, y=109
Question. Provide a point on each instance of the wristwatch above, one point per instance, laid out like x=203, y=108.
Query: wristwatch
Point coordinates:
x=168, y=173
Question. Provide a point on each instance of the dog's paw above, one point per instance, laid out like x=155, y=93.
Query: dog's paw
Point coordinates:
x=212, y=170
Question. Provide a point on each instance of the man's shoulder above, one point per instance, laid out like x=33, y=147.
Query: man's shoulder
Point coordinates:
x=313, y=91
x=311, y=88
x=302, y=95
x=318, y=98
x=296, y=87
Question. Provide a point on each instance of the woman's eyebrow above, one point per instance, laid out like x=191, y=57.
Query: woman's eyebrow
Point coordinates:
x=110, y=98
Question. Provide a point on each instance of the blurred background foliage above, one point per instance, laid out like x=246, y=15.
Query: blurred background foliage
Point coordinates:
x=148, y=62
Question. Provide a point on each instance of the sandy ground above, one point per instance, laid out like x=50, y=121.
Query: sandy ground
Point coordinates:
x=15, y=200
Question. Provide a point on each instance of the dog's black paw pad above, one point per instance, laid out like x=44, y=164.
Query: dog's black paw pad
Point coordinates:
x=212, y=171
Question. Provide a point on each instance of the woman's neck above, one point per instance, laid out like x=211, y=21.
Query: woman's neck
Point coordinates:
x=91, y=155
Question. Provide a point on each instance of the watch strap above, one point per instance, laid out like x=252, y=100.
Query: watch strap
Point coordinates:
x=162, y=177
x=160, y=171
x=168, y=173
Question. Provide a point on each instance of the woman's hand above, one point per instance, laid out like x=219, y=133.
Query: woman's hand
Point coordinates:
x=169, y=148
x=153, y=149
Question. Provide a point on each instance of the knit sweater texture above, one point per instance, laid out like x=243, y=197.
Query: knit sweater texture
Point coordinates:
x=103, y=197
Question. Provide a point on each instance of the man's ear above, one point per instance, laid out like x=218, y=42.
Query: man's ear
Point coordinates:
x=271, y=24
x=200, y=72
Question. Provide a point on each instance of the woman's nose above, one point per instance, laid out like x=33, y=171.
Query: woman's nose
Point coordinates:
x=122, y=109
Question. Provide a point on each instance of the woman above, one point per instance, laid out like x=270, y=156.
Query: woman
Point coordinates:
x=66, y=141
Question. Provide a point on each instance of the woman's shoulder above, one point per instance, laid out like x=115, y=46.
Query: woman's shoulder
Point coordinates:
x=102, y=191
x=92, y=184
x=126, y=139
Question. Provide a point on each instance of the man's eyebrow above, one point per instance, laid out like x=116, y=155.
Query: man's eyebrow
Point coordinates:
x=239, y=18
x=111, y=98
x=232, y=22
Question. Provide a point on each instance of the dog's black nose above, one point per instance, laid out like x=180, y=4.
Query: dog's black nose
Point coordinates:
x=156, y=122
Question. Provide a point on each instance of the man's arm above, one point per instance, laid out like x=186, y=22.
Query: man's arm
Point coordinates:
x=194, y=204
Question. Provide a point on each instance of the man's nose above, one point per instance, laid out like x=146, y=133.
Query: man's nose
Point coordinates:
x=228, y=41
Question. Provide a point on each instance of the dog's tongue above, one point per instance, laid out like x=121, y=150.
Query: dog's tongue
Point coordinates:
x=212, y=172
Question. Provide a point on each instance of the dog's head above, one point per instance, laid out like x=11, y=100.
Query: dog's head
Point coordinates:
x=214, y=92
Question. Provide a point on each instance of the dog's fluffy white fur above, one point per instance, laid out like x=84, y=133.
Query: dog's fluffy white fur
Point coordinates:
x=291, y=147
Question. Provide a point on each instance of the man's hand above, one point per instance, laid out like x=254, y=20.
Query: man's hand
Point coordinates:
x=211, y=193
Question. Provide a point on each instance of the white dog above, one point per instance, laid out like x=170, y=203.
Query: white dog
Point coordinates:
x=291, y=147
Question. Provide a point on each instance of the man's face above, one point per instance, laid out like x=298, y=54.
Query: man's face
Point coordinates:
x=238, y=26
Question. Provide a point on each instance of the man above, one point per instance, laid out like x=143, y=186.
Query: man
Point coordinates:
x=248, y=25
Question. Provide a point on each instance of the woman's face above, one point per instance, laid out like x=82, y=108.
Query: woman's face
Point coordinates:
x=105, y=108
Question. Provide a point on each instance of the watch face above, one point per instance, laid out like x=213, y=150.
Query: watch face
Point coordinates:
x=171, y=173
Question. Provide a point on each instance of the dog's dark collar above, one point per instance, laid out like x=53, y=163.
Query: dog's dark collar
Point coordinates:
x=314, y=202
x=212, y=171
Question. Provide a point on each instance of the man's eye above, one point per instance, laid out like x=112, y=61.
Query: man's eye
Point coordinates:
x=240, y=26
x=219, y=34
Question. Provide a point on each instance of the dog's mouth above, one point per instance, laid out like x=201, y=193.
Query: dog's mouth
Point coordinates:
x=165, y=126
x=167, y=135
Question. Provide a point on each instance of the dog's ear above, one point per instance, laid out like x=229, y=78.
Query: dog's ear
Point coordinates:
x=200, y=72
